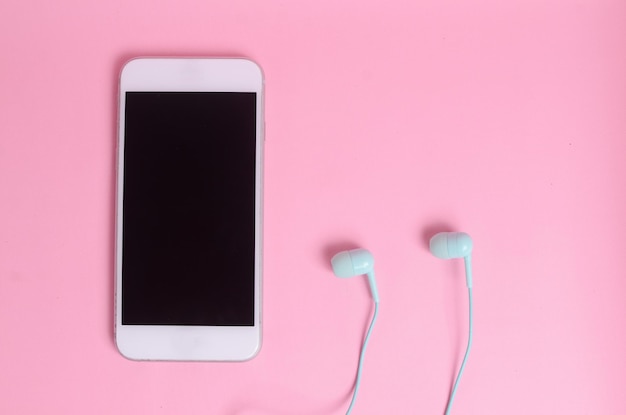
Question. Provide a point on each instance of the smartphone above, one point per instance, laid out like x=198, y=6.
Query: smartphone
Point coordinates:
x=189, y=209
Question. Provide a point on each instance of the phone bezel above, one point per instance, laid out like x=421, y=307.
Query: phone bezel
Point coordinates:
x=190, y=343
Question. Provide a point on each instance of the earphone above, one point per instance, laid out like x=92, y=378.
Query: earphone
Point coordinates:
x=449, y=245
x=348, y=264
x=444, y=245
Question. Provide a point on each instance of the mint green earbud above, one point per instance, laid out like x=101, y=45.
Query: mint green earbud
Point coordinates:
x=354, y=262
x=448, y=245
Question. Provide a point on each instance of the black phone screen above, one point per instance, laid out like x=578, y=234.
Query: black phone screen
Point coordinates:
x=188, y=221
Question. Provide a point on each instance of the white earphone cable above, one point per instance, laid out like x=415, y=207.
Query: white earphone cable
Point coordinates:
x=361, y=358
x=467, y=351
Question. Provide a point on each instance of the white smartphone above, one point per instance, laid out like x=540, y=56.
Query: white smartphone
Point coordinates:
x=189, y=209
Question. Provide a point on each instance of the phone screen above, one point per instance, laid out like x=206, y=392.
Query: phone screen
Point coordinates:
x=188, y=226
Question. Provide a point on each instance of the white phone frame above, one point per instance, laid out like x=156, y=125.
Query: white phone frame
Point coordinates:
x=190, y=343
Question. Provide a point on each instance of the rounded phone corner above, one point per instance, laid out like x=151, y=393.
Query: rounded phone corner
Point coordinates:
x=254, y=353
x=129, y=64
x=122, y=351
x=257, y=68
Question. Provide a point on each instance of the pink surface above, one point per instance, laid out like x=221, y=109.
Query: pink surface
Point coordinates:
x=386, y=122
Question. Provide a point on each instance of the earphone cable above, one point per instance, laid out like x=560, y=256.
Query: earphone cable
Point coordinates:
x=361, y=357
x=467, y=351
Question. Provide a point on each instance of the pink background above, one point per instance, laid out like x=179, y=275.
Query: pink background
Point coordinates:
x=386, y=122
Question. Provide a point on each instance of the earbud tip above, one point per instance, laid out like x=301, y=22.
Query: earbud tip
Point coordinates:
x=439, y=245
x=342, y=265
